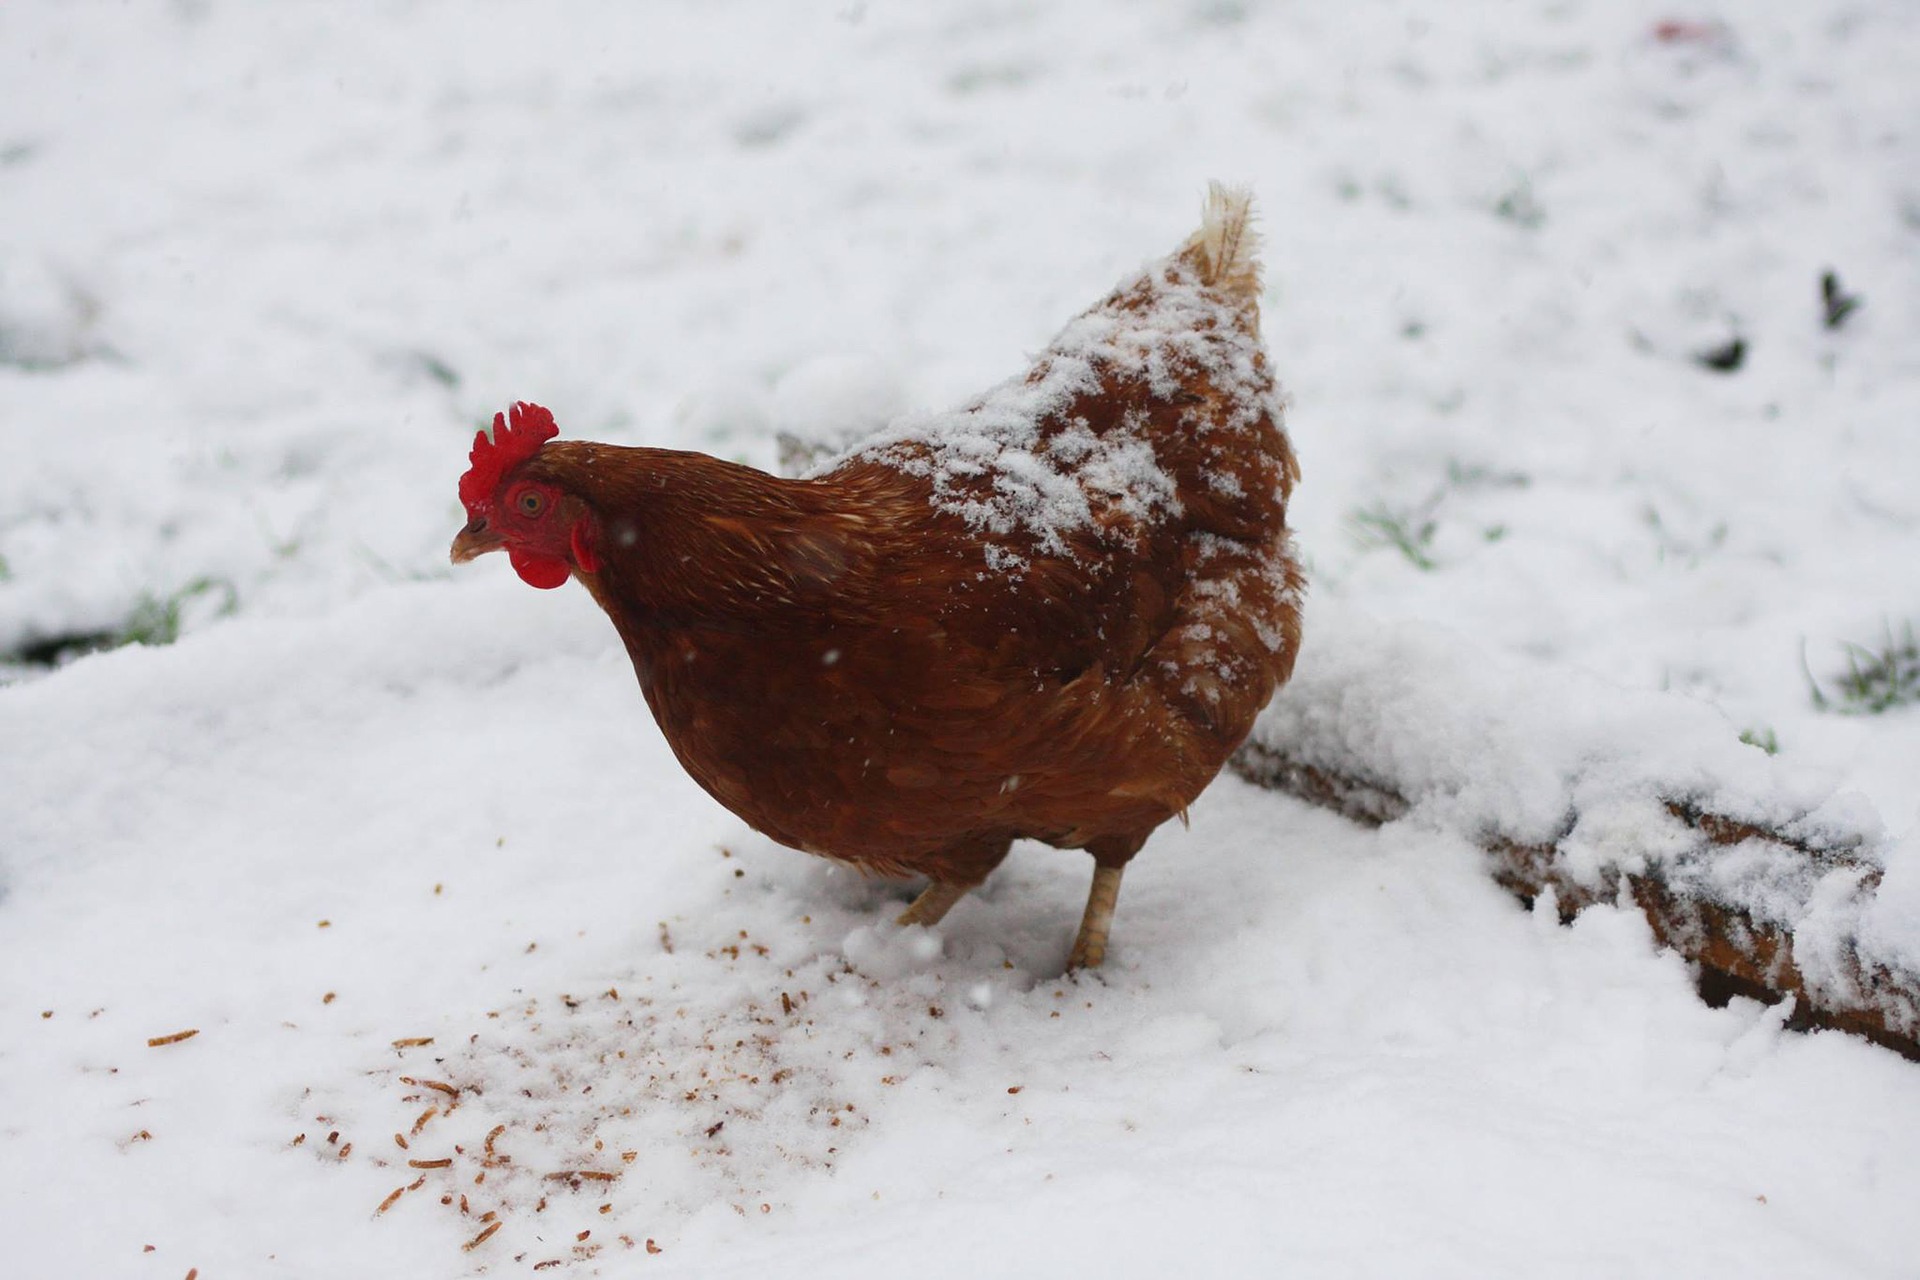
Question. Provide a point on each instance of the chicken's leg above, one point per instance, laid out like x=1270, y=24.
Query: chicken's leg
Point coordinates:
x=1090, y=947
x=957, y=870
x=931, y=907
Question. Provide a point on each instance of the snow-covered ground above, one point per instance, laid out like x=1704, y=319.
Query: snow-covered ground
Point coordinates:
x=263, y=268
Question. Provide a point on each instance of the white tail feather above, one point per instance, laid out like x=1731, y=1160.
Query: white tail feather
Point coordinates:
x=1226, y=246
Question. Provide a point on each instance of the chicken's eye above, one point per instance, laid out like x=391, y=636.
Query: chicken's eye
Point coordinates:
x=531, y=502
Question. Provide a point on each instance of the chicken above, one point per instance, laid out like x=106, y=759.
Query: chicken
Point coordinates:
x=1051, y=614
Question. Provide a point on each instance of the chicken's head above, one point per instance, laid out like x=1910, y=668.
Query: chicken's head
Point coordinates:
x=544, y=530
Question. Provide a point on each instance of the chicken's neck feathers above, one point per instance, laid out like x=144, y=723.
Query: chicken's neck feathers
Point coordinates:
x=689, y=540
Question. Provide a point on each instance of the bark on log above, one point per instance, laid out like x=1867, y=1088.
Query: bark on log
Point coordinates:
x=1733, y=952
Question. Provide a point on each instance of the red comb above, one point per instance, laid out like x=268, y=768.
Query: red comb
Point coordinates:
x=515, y=439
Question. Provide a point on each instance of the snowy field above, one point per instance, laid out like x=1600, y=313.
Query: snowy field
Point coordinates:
x=403, y=847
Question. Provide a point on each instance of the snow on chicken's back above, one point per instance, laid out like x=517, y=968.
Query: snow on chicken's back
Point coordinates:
x=1156, y=406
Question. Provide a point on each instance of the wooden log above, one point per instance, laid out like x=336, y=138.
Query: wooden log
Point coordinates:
x=1733, y=946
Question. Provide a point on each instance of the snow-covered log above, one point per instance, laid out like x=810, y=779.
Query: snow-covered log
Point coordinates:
x=1583, y=794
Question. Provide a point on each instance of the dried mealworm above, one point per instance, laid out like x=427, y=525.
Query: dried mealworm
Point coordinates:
x=492, y=1134
x=480, y=1239
x=441, y=1086
x=412, y=1042
x=442, y=1163
x=175, y=1038
x=388, y=1203
x=425, y=1116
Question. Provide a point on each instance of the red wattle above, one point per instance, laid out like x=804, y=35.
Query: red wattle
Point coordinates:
x=544, y=572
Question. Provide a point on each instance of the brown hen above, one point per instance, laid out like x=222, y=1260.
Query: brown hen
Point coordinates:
x=1052, y=614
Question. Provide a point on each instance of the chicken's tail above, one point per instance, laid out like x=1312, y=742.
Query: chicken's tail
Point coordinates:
x=1226, y=248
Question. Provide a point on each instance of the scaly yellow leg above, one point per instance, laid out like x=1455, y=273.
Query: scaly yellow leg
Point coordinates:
x=1090, y=947
x=931, y=907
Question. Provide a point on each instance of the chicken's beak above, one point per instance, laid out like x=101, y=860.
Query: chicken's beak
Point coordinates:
x=475, y=540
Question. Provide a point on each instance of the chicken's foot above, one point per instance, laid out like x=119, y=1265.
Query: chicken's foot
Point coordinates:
x=1090, y=947
x=931, y=907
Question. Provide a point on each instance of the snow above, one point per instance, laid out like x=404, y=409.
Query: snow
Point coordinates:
x=264, y=270
x=1569, y=760
x=1045, y=476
